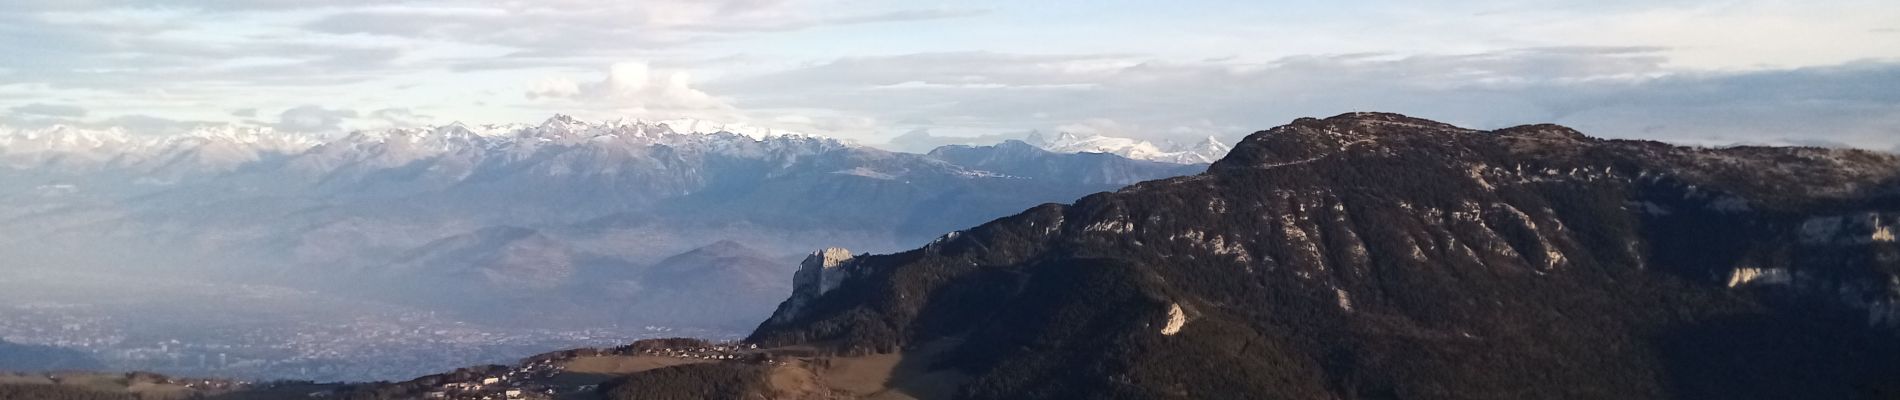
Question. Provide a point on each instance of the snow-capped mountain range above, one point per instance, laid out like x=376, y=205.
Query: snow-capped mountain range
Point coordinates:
x=1205, y=151
x=376, y=206
x=223, y=147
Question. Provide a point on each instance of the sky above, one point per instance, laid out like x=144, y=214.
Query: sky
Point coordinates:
x=912, y=74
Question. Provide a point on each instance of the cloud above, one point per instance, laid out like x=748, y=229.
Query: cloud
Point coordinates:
x=50, y=110
x=633, y=86
x=313, y=118
x=244, y=113
x=400, y=117
x=1627, y=69
x=557, y=87
x=138, y=49
x=1628, y=92
x=566, y=29
x=150, y=125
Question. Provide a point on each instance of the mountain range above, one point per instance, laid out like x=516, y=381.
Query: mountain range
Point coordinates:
x=536, y=218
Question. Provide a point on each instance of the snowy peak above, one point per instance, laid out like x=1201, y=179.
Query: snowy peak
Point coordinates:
x=1205, y=151
x=224, y=147
x=1202, y=152
x=209, y=148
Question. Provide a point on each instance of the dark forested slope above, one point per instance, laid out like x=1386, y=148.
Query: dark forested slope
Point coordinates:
x=1381, y=256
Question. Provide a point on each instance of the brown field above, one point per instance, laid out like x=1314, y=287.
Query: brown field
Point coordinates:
x=109, y=383
x=893, y=376
x=621, y=365
x=594, y=370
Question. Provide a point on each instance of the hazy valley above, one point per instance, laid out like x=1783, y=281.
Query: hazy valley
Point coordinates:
x=385, y=254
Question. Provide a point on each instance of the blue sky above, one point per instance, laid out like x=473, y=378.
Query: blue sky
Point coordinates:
x=1702, y=72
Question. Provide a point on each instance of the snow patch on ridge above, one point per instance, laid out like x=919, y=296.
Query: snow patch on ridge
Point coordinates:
x=821, y=272
x=1205, y=151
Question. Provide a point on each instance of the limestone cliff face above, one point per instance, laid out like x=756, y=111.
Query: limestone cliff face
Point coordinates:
x=819, y=273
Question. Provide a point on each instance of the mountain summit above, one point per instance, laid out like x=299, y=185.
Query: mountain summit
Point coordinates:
x=1374, y=255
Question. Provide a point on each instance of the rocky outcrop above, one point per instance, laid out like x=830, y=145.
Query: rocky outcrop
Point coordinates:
x=821, y=271
x=1758, y=276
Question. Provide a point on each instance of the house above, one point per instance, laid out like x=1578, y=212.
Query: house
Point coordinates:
x=491, y=381
x=513, y=393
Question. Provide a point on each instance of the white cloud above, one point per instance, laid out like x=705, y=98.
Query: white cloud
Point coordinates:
x=635, y=87
x=793, y=120
x=399, y=118
x=557, y=87
x=50, y=110
x=1616, y=92
x=1745, y=70
x=313, y=118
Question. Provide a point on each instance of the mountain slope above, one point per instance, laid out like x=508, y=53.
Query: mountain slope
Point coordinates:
x=724, y=284
x=493, y=259
x=1381, y=256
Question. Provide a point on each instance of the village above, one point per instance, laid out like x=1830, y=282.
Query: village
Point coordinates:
x=565, y=374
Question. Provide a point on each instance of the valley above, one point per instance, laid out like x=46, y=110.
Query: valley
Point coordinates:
x=260, y=333
x=253, y=255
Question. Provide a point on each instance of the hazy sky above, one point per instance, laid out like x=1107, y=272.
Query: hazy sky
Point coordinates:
x=1712, y=72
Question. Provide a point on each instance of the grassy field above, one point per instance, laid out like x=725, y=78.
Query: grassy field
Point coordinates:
x=893, y=376
x=117, y=383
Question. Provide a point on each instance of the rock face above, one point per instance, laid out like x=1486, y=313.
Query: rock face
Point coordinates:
x=1376, y=255
x=819, y=273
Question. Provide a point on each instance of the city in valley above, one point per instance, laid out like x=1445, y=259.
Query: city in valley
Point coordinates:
x=266, y=333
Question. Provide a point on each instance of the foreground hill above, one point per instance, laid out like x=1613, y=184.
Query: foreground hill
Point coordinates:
x=1381, y=256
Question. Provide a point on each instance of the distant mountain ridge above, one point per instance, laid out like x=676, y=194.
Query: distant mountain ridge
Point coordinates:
x=1205, y=151
x=1018, y=158
x=438, y=206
